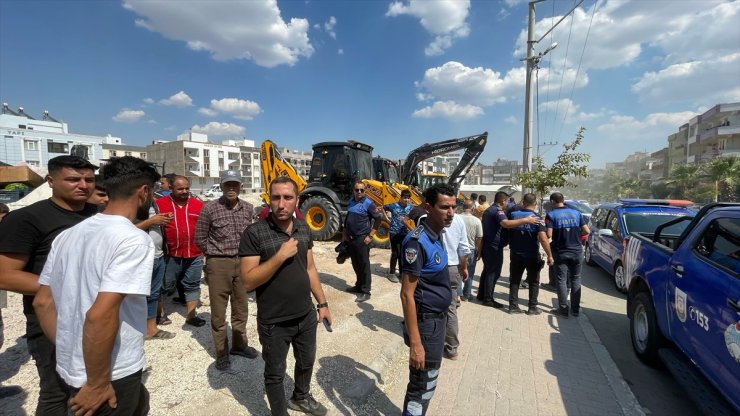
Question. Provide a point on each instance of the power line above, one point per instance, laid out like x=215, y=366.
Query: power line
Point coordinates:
x=562, y=75
x=549, y=75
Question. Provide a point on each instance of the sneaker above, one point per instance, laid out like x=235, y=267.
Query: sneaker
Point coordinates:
x=223, y=363
x=515, y=309
x=450, y=355
x=308, y=405
x=560, y=312
x=533, y=311
x=393, y=278
x=362, y=297
x=196, y=321
x=247, y=352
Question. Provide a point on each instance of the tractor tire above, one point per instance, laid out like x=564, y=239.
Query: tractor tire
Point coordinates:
x=322, y=217
x=382, y=238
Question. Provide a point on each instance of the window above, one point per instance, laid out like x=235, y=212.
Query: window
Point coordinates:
x=612, y=223
x=142, y=155
x=113, y=153
x=127, y=153
x=720, y=244
x=31, y=144
x=57, y=147
x=206, y=167
x=599, y=217
x=34, y=163
x=206, y=153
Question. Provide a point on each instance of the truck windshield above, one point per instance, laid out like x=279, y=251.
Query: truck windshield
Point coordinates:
x=647, y=223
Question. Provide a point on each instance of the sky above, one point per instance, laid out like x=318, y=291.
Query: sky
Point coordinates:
x=393, y=74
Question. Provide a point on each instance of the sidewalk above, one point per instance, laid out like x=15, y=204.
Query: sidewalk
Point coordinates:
x=507, y=364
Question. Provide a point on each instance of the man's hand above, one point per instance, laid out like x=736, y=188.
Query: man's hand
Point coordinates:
x=89, y=399
x=550, y=261
x=534, y=220
x=367, y=240
x=160, y=219
x=288, y=249
x=324, y=313
x=464, y=272
x=416, y=356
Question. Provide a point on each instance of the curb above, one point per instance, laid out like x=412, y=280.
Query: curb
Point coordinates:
x=626, y=399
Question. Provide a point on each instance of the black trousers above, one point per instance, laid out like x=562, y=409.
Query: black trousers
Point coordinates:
x=422, y=383
x=493, y=261
x=517, y=265
x=131, y=395
x=396, y=242
x=359, y=253
x=276, y=339
x=53, y=392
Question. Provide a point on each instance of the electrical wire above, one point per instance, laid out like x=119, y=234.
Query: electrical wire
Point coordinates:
x=549, y=75
x=537, y=101
x=578, y=70
x=565, y=64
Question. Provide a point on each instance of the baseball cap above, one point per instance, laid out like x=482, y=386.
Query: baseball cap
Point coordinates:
x=230, y=176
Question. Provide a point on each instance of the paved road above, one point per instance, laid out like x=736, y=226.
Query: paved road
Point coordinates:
x=655, y=389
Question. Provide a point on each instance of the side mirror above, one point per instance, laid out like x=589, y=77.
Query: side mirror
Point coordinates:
x=605, y=232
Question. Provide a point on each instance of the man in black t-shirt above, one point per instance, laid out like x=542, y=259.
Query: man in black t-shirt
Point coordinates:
x=26, y=235
x=277, y=262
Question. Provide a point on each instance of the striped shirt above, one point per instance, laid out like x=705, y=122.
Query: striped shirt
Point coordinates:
x=180, y=232
x=220, y=227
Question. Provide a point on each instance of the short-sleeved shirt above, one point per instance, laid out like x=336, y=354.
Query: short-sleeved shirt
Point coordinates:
x=494, y=234
x=118, y=258
x=32, y=229
x=359, y=214
x=523, y=239
x=180, y=232
x=566, y=226
x=220, y=227
x=287, y=294
x=473, y=227
x=398, y=213
x=455, y=239
x=424, y=256
x=416, y=213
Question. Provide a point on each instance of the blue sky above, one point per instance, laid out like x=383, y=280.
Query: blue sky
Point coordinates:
x=394, y=74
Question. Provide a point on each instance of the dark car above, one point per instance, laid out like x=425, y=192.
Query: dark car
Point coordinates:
x=612, y=223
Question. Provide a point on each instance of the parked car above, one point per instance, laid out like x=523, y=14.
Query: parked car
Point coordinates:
x=579, y=206
x=685, y=293
x=611, y=225
x=214, y=192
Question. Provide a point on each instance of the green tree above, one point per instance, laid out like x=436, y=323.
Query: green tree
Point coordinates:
x=683, y=178
x=569, y=164
x=724, y=172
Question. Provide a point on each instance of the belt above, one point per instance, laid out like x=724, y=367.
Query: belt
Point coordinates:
x=222, y=257
x=426, y=316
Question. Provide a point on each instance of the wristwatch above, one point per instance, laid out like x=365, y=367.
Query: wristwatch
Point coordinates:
x=322, y=305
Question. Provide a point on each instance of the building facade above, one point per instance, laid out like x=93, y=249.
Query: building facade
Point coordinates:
x=714, y=133
x=119, y=150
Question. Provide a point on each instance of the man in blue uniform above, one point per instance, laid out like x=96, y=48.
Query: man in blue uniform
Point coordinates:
x=565, y=227
x=359, y=232
x=425, y=297
x=398, y=230
x=524, y=248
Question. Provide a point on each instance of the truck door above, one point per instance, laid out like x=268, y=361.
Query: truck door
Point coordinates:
x=705, y=305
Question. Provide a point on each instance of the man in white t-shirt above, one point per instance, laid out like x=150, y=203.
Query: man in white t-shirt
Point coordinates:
x=93, y=306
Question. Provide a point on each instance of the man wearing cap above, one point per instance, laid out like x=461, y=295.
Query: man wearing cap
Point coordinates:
x=217, y=234
x=26, y=235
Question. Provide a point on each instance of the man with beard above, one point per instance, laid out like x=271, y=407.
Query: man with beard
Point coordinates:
x=184, y=264
x=425, y=297
x=217, y=234
x=93, y=307
x=26, y=235
x=277, y=262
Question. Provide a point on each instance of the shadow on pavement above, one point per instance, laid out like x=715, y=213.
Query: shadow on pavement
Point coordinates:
x=11, y=360
x=336, y=282
x=351, y=397
x=374, y=319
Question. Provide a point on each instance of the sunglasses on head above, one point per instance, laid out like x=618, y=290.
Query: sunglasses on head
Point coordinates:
x=362, y=191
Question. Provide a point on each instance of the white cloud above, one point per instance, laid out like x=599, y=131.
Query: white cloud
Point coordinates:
x=241, y=109
x=128, y=116
x=510, y=120
x=654, y=124
x=708, y=81
x=329, y=27
x=207, y=112
x=253, y=30
x=148, y=101
x=340, y=51
x=512, y=3
x=215, y=128
x=450, y=110
x=565, y=109
x=446, y=20
x=478, y=86
x=181, y=99
x=502, y=14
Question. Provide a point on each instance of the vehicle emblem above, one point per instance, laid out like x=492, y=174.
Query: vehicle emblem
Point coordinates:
x=411, y=255
x=681, y=304
x=732, y=340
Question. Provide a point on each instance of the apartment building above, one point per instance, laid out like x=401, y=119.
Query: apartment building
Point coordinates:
x=118, y=150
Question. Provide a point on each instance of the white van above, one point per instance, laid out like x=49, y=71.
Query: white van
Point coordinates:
x=214, y=192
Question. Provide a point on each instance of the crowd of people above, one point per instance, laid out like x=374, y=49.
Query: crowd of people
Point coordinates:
x=145, y=238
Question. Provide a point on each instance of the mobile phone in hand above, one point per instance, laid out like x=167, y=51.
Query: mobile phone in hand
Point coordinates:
x=326, y=325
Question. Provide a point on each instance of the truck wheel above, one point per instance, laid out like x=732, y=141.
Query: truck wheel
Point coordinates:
x=620, y=281
x=322, y=217
x=588, y=256
x=382, y=238
x=646, y=337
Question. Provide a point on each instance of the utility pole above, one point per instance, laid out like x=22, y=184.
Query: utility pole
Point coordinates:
x=532, y=61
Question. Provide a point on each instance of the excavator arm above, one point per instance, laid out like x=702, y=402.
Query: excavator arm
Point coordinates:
x=272, y=165
x=473, y=146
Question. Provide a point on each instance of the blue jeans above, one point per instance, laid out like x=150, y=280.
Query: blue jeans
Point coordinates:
x=422, y=383
x=186, y=270
x=467, y=289
x=568, y=266
x=157, y=280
